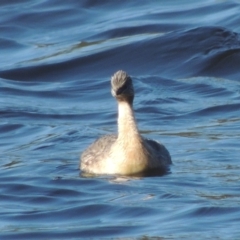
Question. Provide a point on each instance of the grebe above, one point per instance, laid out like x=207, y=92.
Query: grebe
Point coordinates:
x=127, y=153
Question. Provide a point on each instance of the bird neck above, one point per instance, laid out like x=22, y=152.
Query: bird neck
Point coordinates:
x=127, y=127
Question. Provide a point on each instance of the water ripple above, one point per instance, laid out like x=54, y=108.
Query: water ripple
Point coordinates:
x=57, y=58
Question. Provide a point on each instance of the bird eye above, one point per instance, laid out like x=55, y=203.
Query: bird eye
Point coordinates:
x=122, y=89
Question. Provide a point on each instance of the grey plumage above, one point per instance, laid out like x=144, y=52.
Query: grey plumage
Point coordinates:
x=97, y=150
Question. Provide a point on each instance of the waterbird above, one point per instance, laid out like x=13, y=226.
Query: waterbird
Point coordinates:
x=125, y=153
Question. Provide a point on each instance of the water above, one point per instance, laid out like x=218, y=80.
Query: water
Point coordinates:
x=56, y=61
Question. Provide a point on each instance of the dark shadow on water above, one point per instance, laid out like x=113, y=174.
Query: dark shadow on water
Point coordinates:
x=150, y=173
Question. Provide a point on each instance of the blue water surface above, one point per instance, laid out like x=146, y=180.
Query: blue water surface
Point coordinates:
x=56, y=60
